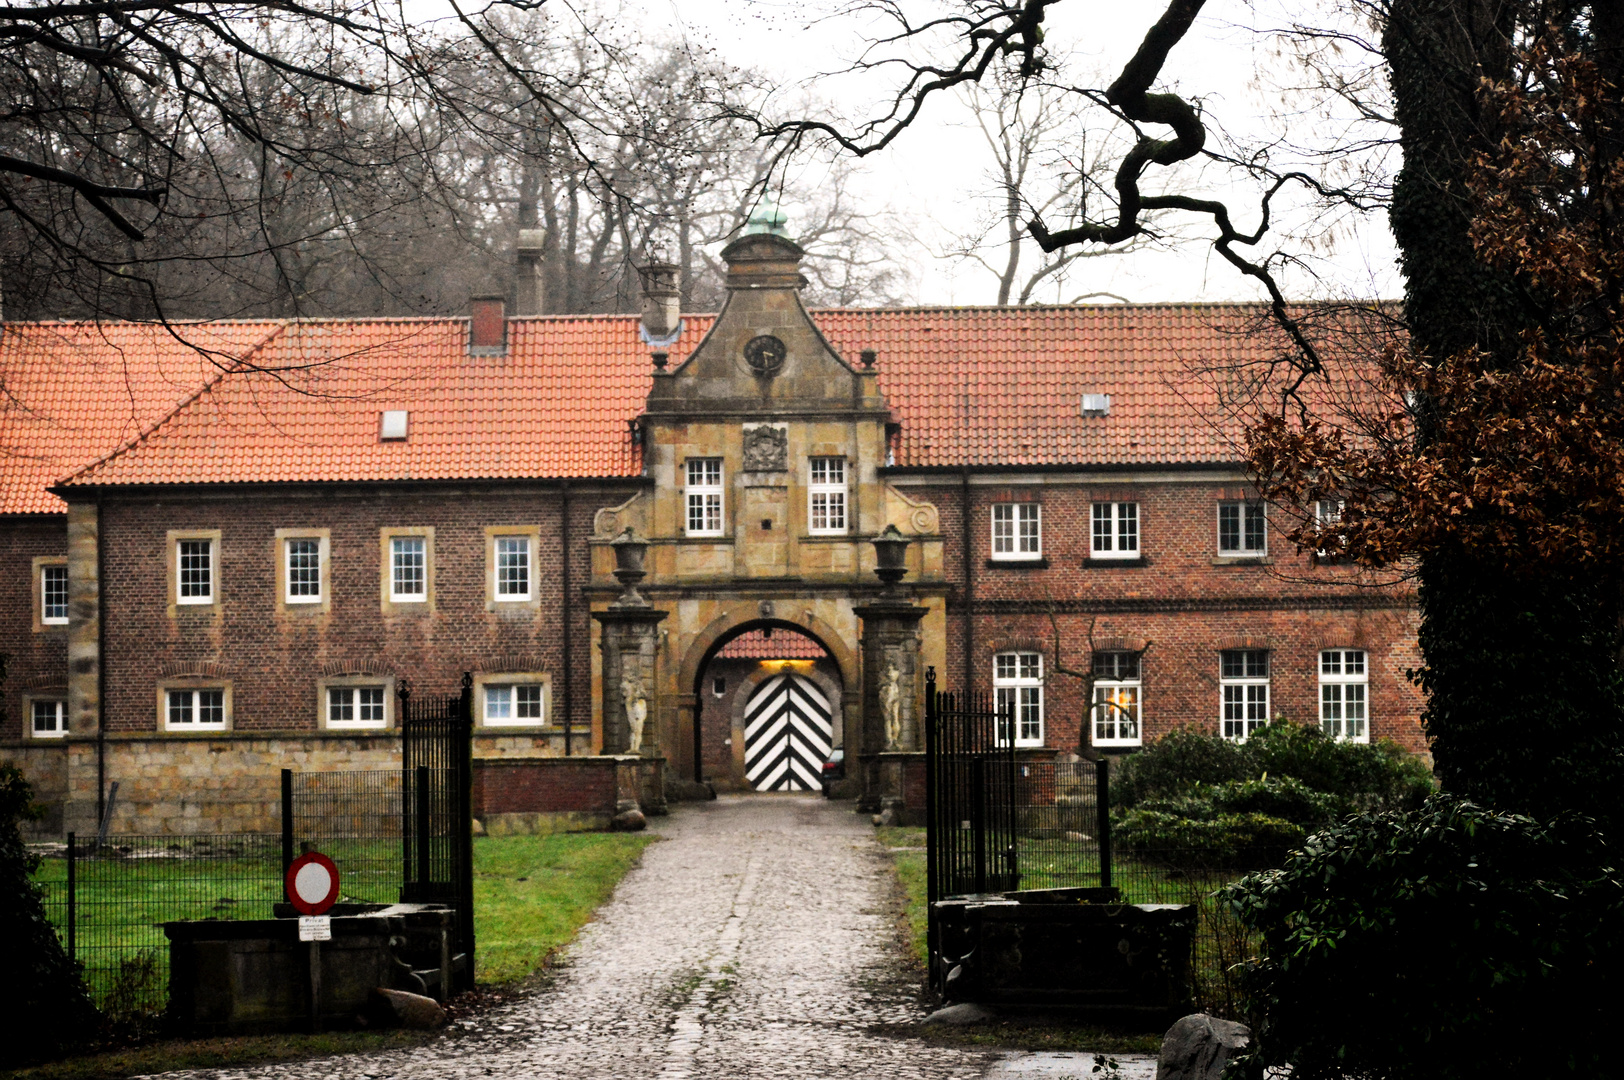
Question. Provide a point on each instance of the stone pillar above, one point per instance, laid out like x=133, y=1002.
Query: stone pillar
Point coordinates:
x=630, y=642
x=85, y=734
x=892, y=729
x=630, y=649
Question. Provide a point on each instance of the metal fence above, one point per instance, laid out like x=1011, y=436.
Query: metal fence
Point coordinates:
x=1063, y=840
x=108, y=902
x=354, y=818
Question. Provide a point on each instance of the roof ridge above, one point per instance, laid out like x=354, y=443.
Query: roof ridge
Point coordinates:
x=278, y=329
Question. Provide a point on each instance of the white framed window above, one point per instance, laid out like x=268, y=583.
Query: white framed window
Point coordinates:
x=302, y=570
x=194, y=571
x=704, y=496
x=507, y=703
x=1116, y=699
x=49, y=718
x=1345, y=694
x=53, y=594
x=1242, y=529
x=1243, y=678
x=1017, y=530
x=1327, y=519
x=200, y=709
x=826, y=495
x=513, y=699
x=1017, y=682
x=513, y=567
x=357, y=707
x=1115, y=533
x=408, y=569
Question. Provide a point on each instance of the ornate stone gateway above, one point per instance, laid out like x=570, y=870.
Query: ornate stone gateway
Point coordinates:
x=788, y=731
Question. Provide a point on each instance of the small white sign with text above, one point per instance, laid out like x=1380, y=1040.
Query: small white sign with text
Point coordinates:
x=315, y=928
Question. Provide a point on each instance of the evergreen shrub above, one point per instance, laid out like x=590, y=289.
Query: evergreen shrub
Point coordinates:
x=44, y=1006
x=1448, y=942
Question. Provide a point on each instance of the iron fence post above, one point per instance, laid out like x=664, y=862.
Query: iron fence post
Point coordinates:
x=287, y=827
x=73, y=943
x=465, y=822
x=1102, y=802
x=421, y=794
x=932, y=827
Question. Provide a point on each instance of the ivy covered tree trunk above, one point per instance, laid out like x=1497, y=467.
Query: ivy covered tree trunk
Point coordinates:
x=1524, y=701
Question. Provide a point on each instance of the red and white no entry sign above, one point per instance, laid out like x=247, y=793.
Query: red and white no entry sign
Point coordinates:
x=312, y=884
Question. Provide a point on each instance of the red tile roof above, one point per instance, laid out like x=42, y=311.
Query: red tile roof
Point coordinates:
x=558, y=404
x=783, y=645
x=1004, y=386
x=71, y=392
x=968, y=386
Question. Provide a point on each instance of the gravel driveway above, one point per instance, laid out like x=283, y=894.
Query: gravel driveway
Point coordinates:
x=756, y=940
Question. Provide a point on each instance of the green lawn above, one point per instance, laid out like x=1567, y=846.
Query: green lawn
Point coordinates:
x=531, y=895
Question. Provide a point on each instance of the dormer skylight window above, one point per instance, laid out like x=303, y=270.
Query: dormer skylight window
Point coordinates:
x=1096, y=404
x=392, y=425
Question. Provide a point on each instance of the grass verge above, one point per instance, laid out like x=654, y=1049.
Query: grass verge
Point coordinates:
x=1054, y=1032
x=532, y=894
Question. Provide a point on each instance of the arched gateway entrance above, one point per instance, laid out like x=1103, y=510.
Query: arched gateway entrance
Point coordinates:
x=765, y=509
x=767, y=710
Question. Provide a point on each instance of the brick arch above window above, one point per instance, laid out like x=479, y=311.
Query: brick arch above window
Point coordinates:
x=337, y=668
x=203, y=669
x=506, y=662
x=1120, y=644
x=1247, y=641
x=46, y=681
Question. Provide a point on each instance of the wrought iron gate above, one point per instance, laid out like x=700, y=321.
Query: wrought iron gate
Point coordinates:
x=970, y=792
x=437, y=772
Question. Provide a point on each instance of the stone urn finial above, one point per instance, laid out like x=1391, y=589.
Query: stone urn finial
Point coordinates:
x=630, y=550
x=891, y=557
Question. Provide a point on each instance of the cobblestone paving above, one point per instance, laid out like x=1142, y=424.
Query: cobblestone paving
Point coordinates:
x=754, y=942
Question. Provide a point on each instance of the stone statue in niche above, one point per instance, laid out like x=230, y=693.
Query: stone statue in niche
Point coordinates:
x=766, y=448
x=891, y=702
x=636, y=703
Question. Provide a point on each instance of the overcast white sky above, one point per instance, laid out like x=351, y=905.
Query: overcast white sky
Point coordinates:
x=935, y=177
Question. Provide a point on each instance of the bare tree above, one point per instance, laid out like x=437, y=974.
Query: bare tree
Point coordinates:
x=1044, y=159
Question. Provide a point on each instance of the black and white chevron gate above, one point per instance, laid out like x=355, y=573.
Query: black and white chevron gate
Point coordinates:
x=787, y=734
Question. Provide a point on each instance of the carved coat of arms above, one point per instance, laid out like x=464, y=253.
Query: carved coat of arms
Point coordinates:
x=766, y=448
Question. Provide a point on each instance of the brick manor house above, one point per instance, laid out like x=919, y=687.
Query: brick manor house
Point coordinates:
x=223, y=556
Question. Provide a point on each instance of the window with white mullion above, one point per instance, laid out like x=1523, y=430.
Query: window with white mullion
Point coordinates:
x=1017, y=530
x=704, y=496
x=1345, y=694
x=194, y=565
x=1115, y=533
x=515, y=704
x=357, y=707
x=50, y=719
x=408, y=569
x=1243, y=677
x=1017, y=681
x=303, y=570
x=513, y=568
x=196, y=710
x=1327, y=522
x=53, y=598
x=1116, y=713
x=1242, y=529
x=826, y=493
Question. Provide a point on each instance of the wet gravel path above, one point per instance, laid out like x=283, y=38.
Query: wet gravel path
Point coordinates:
x=756, y=940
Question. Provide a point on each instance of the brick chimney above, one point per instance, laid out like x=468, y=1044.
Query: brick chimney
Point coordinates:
x=529, y=286
x=662, y=303
x=487, y=326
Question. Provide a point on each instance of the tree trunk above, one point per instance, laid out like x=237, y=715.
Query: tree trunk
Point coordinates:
x=1522, y=678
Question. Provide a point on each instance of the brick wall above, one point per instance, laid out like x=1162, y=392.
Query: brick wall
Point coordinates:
x=273, y=655
x=584, y=785
x=1184, y=600
x=38, y=659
